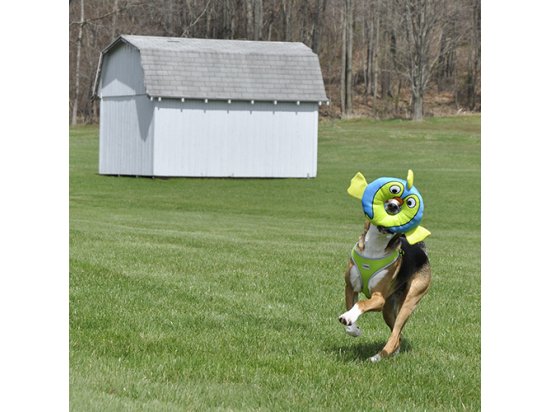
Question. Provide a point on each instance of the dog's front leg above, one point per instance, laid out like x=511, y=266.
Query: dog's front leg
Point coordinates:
x=375, y=303
x=351, y=290
x=352, y=294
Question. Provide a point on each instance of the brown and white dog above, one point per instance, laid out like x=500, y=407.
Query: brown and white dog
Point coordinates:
x=394, y=290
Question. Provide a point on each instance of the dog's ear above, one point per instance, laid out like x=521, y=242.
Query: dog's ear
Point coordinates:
x=357, y=186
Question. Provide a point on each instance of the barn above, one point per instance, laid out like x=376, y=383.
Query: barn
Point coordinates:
x=208, y=108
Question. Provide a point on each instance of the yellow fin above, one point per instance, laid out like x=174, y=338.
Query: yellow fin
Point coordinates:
x=418, y=234
x=357, y=186
x=410, y=179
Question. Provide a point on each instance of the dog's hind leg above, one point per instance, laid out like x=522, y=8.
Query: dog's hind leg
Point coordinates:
x=391, y=307
x=417, y=289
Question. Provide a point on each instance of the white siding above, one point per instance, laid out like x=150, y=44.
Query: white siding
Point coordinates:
x=217, y=139
x=125, y=137
x=121, y=73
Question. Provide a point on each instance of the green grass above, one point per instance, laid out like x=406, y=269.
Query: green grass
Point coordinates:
x=223, y=294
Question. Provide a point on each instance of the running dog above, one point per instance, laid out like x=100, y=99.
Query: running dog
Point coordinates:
x=391, y=269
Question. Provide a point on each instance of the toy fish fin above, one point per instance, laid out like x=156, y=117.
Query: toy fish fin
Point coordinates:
x=418, y=234
x=357, y=186
x=410, y=179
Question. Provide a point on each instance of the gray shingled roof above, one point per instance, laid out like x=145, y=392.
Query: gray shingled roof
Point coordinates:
x=228, y=69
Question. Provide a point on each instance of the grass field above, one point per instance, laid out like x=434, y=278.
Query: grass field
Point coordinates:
x=203, y=294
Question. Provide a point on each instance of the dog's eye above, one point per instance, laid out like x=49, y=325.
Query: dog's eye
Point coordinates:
x=411, y=202
x=395, y=189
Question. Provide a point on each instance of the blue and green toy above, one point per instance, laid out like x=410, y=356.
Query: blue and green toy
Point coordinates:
x=392, y=203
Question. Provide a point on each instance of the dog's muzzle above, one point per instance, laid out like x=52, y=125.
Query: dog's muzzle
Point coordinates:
x=393, y=206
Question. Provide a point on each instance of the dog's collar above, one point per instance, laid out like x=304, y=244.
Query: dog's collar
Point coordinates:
x=383, y=229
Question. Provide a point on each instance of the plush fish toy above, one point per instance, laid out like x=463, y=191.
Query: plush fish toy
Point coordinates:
x=392, y=203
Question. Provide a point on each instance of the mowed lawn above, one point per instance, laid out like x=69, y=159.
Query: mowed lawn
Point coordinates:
x=224, y=294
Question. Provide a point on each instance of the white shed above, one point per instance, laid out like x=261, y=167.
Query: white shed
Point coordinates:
x=210, y=108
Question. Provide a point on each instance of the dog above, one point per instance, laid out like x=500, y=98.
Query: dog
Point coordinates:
x=402, y=278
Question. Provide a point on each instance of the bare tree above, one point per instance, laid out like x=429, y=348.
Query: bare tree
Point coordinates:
x=446, y=64
x=77, y=68
x=422, y=26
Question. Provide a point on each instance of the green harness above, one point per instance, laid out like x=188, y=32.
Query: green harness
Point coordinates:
x=369, y=267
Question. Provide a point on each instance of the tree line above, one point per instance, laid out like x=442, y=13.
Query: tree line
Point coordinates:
x=380, y=58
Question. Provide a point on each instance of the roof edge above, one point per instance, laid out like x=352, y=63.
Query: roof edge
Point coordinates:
x=240, y=99
x=120, y=39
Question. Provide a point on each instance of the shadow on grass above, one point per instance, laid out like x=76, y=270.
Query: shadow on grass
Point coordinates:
x=362, y=351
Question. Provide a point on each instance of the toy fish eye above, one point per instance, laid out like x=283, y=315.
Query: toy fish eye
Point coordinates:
x=411, y=202
x=395, y=190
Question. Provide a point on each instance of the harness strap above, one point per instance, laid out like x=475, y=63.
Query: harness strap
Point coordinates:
x=369, y=267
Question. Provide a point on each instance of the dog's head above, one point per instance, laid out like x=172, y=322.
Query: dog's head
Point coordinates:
x=392, y=204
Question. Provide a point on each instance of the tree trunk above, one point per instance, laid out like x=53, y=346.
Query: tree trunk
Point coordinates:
x=396, y=99
x=317, y=25
x=287, y=19
x=208, y=29
x=417, y=106
x=249, y=19
x=271, y=20
x=375, y=51
x=419, y=21
x=302, y=13
x=226, y=20
x=233, y=24
x=370, y=58
x=475, y=59
x=385, y=75
x=343, y=67
x=445, y=70
x=364, y=43
x=114, y=20
x=74, y=119
x=258, y=19
x=347, y=54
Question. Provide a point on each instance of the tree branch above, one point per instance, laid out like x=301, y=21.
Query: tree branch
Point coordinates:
x=185, y=32
x=127, y=7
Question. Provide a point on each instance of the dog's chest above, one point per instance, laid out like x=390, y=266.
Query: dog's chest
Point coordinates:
x=369, y=270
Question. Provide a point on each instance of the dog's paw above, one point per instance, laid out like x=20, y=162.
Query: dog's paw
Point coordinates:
x=381, y=355
x=376, y=358
x=350, y=316
x=345, y=320
x=353, y=330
